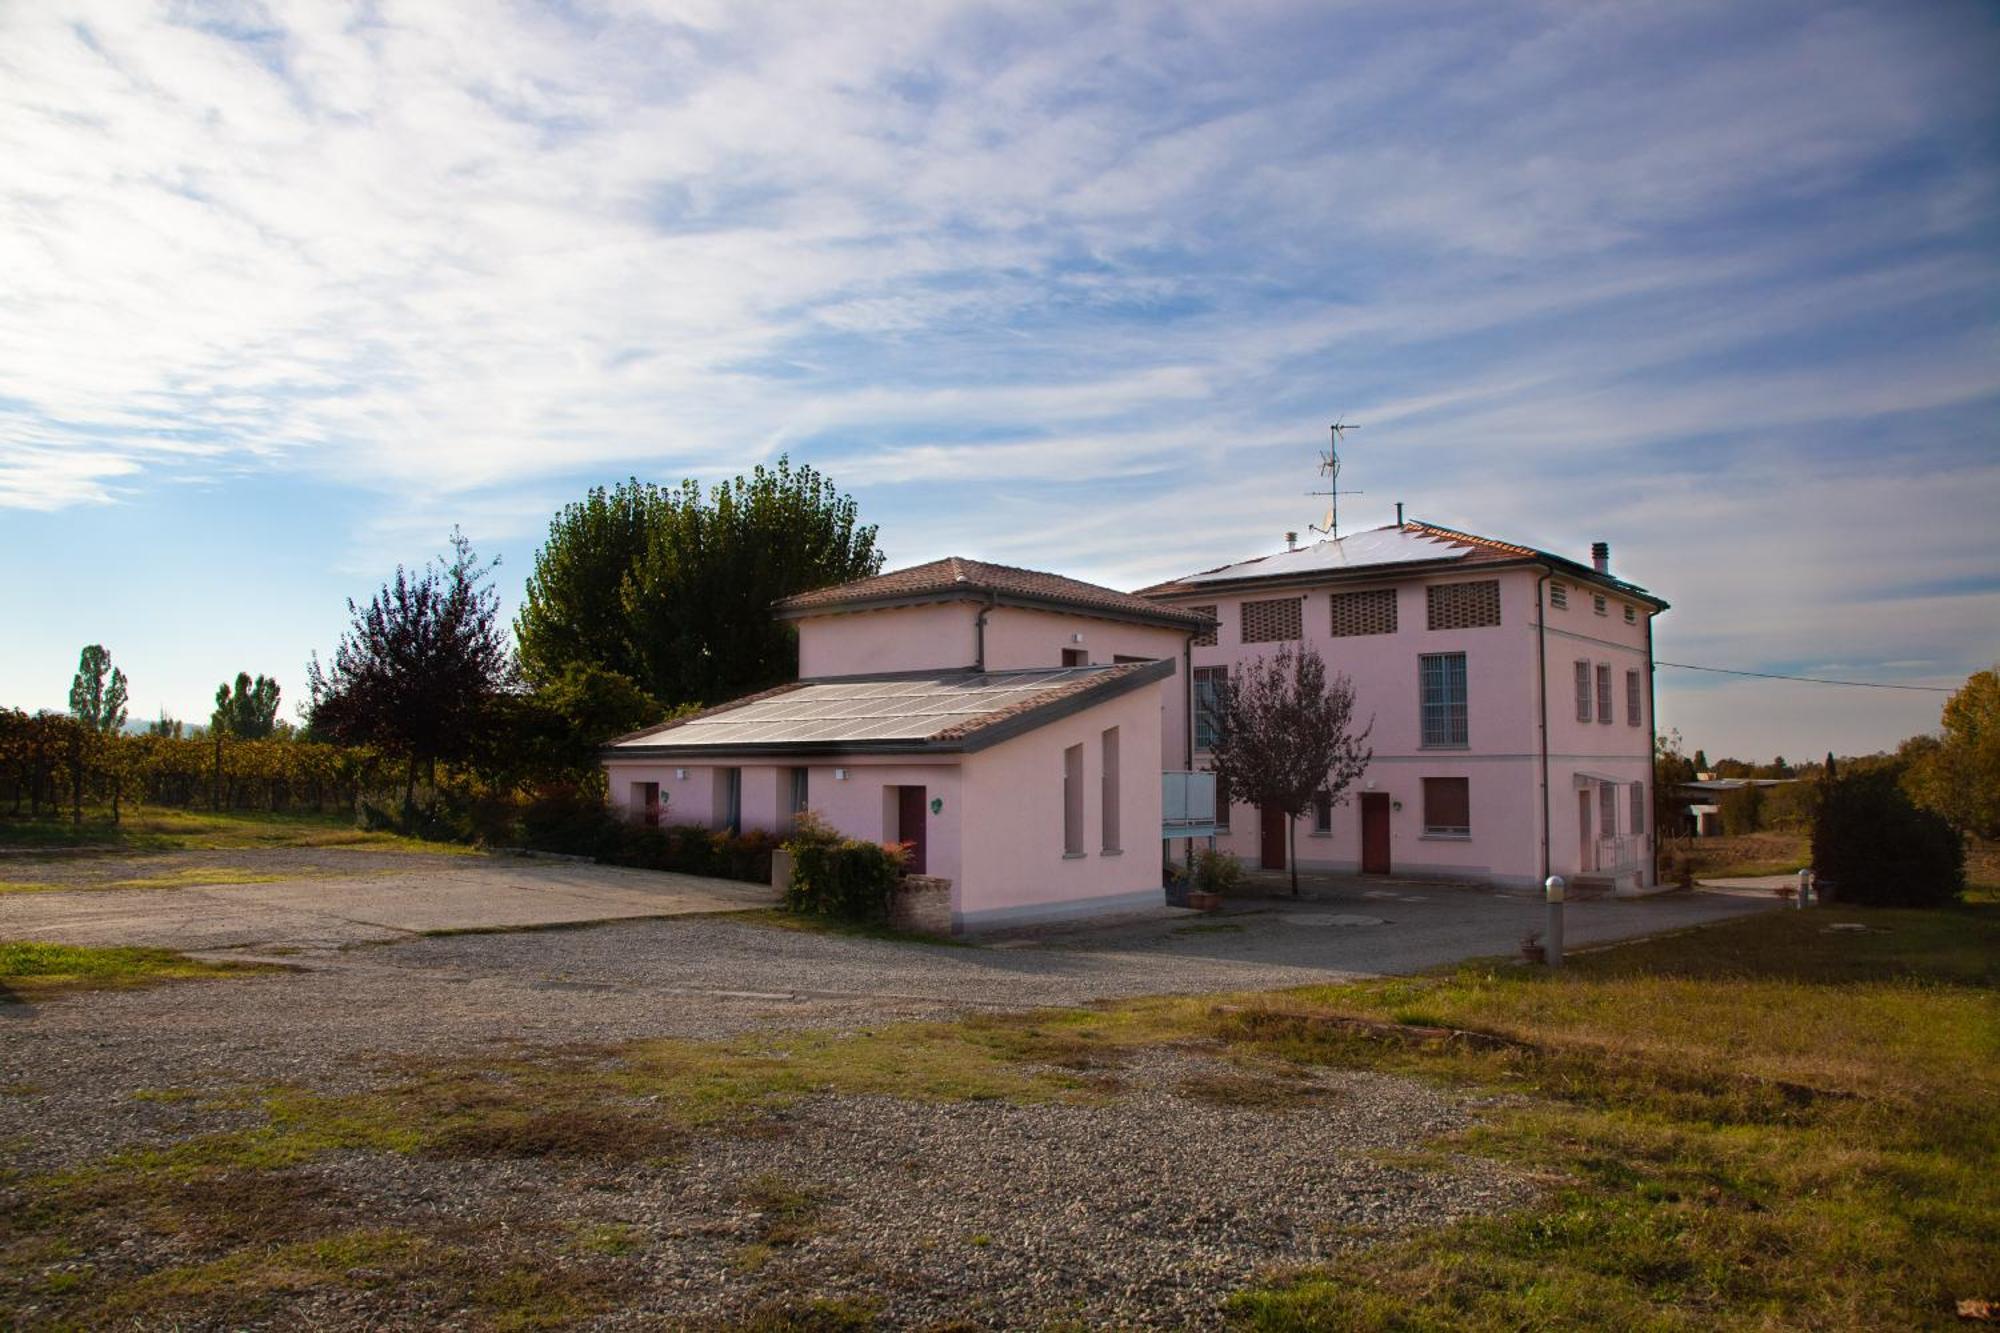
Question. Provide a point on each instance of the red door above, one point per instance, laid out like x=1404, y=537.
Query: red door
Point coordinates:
x=1272, y=844
x=910, y=826
x=1374, y=833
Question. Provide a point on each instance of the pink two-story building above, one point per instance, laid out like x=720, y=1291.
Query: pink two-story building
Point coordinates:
x=1510, y=692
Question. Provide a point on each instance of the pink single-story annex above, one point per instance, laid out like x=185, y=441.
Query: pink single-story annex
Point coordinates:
x=1004, y=722
x=1009, y=723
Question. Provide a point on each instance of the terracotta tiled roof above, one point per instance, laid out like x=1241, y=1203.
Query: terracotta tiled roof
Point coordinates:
x=957, y=578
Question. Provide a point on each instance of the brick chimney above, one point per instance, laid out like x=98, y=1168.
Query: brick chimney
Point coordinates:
x=1600, y=557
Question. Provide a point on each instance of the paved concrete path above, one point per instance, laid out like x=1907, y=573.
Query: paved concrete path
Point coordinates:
x=324, y=908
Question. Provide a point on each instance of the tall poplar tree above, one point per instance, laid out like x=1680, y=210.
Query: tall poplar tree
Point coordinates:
x=97, y=693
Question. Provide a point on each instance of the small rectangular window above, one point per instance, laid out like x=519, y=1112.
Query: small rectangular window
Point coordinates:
x=1208, y=686
x=1445, y=721
x=1322, y=813
x=729, y=798
x=795, y=801
x=1275, y=621
x=1108, y=788
x=1357, y=613
x=1632, y=696
x=1583, y=691
x=1463, y=605
x=1448, y=807
x=1559, y=596
x=1597, y=605
x=1205, y=639
x=1604, y=692
x=1638, y=809
x=1073, y=801
x=1631, y=615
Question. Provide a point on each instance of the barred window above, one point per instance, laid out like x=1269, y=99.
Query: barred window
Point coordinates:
x=1271, y=622
x=1356, y=613
x=1323, y=813
x=1208, y=683
x=1443, y=690
x=1583, y=691
x=1632, y=709
x=1631, y=615
x=1638, y=809
x=1559, y=596
x=1205, y=639
x=1464, y=605
x=1597, y=604
x=1448, y=807
x=1604, y=692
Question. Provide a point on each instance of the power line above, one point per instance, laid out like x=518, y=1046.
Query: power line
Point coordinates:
x=1811, y=680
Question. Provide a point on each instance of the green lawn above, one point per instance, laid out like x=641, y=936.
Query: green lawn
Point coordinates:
x=159, y=829
x=30, y=970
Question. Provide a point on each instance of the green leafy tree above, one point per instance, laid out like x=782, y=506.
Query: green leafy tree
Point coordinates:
x=1958, y=774
x=1671, y=768
x=421, y=668
x=97, y=695
x=1873, y=846
x=249, y=711
x=672, y=588
x=552, y=733
x=169, y=727
x=1286, y=738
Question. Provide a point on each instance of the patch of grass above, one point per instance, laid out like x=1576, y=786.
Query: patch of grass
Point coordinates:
x=1757, y=1124
x=1744, y=855
x=814, y=1316
x=33, y=970
x=155, y=828
x=1272, y=1091
x=178, y=879
x=609, y=1238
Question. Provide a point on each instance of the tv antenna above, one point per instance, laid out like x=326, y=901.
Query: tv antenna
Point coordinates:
x=1329, y=467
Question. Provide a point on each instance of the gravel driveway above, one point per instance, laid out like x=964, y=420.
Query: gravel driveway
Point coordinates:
x=1146, y=1209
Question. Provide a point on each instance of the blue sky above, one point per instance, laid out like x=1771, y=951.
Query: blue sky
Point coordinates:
x=293, y=288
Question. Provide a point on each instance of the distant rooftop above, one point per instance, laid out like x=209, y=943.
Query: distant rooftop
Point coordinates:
x=894, y=713
x=956, y=578
x=1386, y=550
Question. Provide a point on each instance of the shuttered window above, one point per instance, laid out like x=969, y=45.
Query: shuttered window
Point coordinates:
x=1108, y=788
x=1357, y=613
x=1583, y=691
x=1275, y=621
x=1638, y=808
x=1607, y=809
x=1205, y=639
x=1443, y=690
x=1448, y=807
x=1604, y=692
x=1463, y=605
x=1073, y=801
x=1559, y=596
x=1632, y=708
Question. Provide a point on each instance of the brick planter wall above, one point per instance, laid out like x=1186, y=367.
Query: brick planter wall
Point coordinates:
x=921, y=904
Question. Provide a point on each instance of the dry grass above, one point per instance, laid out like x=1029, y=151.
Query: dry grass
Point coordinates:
x=160, y=829
x=31, y=970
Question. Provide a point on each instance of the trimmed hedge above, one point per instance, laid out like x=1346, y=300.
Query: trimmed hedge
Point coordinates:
x=847, y=878
x=1872, y=846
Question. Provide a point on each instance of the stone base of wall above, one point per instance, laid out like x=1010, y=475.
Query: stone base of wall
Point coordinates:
x=781, y=869
x=921, y=904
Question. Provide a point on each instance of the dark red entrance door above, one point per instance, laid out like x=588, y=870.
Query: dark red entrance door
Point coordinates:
x=1374, y=833
x=910, y=821
x=1272, y=843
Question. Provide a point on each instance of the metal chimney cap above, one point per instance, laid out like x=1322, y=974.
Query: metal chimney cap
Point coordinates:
x=1600, y=556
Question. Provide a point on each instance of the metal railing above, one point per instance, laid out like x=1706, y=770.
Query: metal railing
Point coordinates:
x=1187, y=805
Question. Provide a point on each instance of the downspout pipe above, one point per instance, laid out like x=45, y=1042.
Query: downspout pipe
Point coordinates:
x=979, y=632
x=1542, y=702
x=1652, y=756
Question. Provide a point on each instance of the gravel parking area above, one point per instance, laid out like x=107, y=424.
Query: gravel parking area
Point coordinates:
x=1144, y=1209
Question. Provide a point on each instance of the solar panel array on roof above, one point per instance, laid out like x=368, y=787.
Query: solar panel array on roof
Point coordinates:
x=897, y=709
x=1379, y=546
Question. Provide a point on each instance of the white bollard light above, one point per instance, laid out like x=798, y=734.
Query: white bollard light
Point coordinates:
x=1554, y=886
x=1805, y=886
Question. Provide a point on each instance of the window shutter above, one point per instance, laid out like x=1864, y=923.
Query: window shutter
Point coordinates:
x=1447, y=805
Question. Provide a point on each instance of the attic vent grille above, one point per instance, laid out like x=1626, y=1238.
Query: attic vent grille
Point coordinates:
x=1559, y=596
x=1372, y=612
x=1464, y=605
x=1205, y=639
x=1273, y=621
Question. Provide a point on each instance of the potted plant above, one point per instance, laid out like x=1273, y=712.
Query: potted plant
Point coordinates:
x=1214, y=873
x=1532, y=949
